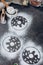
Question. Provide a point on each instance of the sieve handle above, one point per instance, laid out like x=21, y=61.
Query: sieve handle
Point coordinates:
x=4, y=2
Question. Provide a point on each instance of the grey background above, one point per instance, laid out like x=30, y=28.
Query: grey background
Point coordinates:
x=35, y=32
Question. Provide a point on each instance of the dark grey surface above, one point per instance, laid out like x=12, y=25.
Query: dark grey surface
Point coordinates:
x=35, y=32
